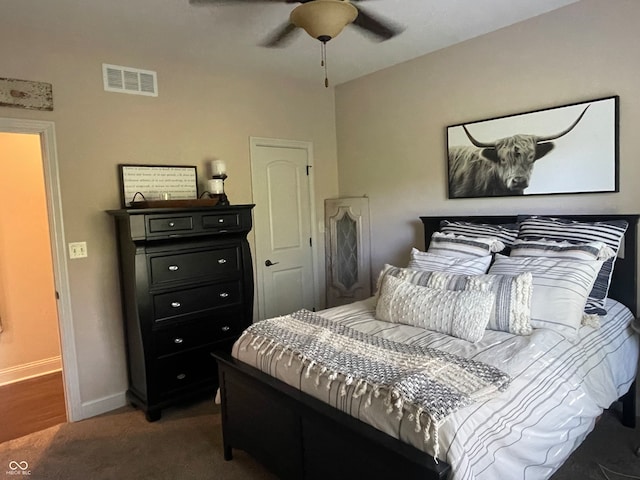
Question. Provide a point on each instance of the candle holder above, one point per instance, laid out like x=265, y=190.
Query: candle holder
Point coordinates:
x=216, y=184
x=216, y=189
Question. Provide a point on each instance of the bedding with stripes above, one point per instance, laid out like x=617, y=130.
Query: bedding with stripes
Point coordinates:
x=558, y=389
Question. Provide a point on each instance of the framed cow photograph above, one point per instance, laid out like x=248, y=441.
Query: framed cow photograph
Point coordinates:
x=568, y=149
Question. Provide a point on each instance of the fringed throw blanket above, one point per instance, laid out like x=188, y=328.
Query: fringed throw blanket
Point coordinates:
x=425, y=384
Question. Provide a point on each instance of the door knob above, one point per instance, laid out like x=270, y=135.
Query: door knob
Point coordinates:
x=269, y=263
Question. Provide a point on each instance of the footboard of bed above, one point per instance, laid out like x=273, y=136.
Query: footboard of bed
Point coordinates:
x=298, y=437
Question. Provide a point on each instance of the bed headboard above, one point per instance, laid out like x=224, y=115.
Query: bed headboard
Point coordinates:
x=624, y=287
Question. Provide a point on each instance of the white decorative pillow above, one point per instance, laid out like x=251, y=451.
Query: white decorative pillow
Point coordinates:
x=610, y=232
x=560, y=289
x=511, y=311
x=463, y=314
x=562, y=249
x=440, y=263
x=461, y=246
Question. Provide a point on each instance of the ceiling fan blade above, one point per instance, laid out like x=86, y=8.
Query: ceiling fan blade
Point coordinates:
x=282, y=36
x=382, y=29
x=229, y=2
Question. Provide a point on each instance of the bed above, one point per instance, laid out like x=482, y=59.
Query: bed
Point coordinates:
x=280, y=416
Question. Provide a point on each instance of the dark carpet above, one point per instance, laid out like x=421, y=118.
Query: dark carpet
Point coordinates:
x=186, y=443
x=608, y=453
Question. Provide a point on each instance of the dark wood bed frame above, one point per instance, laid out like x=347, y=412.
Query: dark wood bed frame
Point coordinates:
x=299, y=437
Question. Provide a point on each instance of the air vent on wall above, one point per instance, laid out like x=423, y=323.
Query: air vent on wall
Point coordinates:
x=129, y=80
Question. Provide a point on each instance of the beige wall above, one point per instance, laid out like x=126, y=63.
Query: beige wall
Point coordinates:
x=198, y=114
x=391, y=125
x=29, y=342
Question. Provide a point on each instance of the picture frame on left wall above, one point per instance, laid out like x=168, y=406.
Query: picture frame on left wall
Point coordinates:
x=561, y=150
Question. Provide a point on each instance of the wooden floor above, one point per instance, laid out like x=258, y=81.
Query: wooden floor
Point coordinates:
x=31, y=405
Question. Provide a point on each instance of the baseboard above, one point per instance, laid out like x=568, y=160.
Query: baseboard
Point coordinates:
x=103, y=405
x=30, y=370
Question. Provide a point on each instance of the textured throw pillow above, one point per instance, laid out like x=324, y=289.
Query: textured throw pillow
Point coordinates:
x=460, y=246
x=560, y=289
x=462, y=314
x=609, y=232
x=440, y=263
x=511, y=311
x=506, y=232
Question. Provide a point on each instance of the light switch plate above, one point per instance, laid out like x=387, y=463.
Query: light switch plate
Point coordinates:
x=77, y=250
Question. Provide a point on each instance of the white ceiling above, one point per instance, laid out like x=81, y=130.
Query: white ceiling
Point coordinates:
x=228, y=35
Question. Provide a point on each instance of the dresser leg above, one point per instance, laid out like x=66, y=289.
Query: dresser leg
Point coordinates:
x=152, y=415
x=228, y=454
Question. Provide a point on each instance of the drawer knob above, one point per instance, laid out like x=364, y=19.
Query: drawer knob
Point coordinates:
x=181, y=376
x=222, y=260
x=172, y=224
x=173, y=268
x=224, y=295
x=175, y=304
x=178, y=340
x=226, y=328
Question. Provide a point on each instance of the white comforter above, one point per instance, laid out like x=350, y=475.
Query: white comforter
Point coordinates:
x=558, y=390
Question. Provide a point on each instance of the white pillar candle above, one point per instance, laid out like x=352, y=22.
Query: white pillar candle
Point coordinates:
x=216, y=185
x=218, y=167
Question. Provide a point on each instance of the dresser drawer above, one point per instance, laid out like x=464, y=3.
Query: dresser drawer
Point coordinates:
x=186, y=369
x=221, y=221
x=192, y=300
x=196, y=334
x=171, y=224
x=194, y=265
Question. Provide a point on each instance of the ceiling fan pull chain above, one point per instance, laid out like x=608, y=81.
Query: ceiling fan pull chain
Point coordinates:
x=324, y=64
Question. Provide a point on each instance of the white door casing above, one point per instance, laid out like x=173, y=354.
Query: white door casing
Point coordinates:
x=46, y=130
x=285, y=256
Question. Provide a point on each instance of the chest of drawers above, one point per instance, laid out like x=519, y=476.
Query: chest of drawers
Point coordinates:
x=187, y=291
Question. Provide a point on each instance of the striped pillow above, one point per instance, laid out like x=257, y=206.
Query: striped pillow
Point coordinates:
x=610, y=232
x=440, y=263
x=562, y=249
x=452, y=245
x=511, y=311
x=560, y=289
x=462, y=314
x=506, y=232
x=417, y=277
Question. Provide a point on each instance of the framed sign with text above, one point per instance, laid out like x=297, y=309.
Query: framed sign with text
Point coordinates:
x=157, y=182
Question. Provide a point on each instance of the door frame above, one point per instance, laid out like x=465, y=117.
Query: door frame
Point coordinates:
x=46, y=131
x=256, y=142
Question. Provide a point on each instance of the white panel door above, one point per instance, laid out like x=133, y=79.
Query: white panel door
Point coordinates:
x=282, y=219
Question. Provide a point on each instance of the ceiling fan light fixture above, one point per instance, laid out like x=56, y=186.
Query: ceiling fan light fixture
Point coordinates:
x=323, y=19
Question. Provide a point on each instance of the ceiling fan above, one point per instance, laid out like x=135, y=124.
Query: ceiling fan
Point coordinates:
x=322, y=19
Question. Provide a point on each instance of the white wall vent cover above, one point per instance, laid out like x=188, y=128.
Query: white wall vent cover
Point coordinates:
x=129, y=80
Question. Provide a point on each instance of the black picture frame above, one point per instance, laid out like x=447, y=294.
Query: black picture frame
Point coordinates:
x=140, y=182
x=516, y=155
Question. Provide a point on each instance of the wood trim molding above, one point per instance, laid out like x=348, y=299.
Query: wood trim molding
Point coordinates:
x=30, y=370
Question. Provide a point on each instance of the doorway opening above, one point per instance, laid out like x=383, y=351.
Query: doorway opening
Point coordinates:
x=57, y=267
